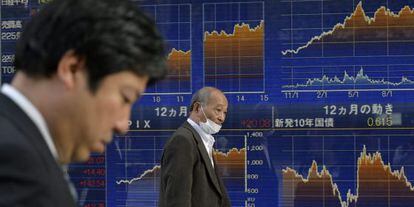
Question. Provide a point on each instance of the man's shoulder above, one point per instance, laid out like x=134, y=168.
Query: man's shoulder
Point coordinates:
x=185, y=130
x=9, y=131
x=15, y=124
x=13, y=140
x=11, y=116
x=183, y=134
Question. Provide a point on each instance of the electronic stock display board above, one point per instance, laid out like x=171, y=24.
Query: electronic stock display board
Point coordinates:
x=321, y=102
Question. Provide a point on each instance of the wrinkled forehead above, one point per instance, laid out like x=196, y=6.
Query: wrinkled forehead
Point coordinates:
x=217, y=98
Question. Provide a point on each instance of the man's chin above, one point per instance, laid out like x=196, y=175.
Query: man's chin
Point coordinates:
x=81, y=157
x=98, y=147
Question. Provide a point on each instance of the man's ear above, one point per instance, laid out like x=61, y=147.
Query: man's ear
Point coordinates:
x=67, y=67
x=196, y=106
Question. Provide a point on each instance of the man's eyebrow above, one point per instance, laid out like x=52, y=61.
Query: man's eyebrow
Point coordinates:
x=132, y=91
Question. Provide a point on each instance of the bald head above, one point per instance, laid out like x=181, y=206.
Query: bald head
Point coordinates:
x=209, y=102
x=203, y=95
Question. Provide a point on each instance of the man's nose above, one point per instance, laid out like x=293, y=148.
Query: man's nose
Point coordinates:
x=122, y=124
x=221, y=117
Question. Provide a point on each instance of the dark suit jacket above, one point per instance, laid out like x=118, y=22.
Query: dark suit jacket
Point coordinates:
x=29, y=175
x=187, y=176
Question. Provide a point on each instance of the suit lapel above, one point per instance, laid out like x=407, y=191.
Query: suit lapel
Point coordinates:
x=22, y=121
x=205, y=157
x=26, y=125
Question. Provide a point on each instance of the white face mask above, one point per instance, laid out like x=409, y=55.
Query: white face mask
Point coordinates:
x=209, y=127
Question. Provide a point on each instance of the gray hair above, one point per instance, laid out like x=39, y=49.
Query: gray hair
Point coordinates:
x=202, y=96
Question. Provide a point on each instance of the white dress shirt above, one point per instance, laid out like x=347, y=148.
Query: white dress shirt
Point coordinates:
x=208, y=139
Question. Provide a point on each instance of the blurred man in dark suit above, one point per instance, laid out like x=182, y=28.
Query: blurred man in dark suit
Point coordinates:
x=81, y=65
x=189, y=175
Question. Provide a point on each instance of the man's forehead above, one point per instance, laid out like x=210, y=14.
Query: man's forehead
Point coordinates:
x=218, y=102
x=217, y=94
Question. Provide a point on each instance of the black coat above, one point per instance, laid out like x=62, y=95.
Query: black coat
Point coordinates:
x=29, y=174
x=187, y=177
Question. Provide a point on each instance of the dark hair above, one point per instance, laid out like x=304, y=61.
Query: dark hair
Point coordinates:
x=109, y=35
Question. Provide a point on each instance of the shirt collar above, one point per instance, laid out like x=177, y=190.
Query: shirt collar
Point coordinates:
x=33, y=114
x=207, y=138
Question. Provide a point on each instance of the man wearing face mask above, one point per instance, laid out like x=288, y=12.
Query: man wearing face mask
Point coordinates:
x=189, y=175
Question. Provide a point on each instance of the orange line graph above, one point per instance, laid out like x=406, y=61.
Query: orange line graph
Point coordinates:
x=233, y=154
x=236, y=54
x=231, y=163
x=242, y=30
x=385, y=25
x=179, y=63
x=376, y=183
